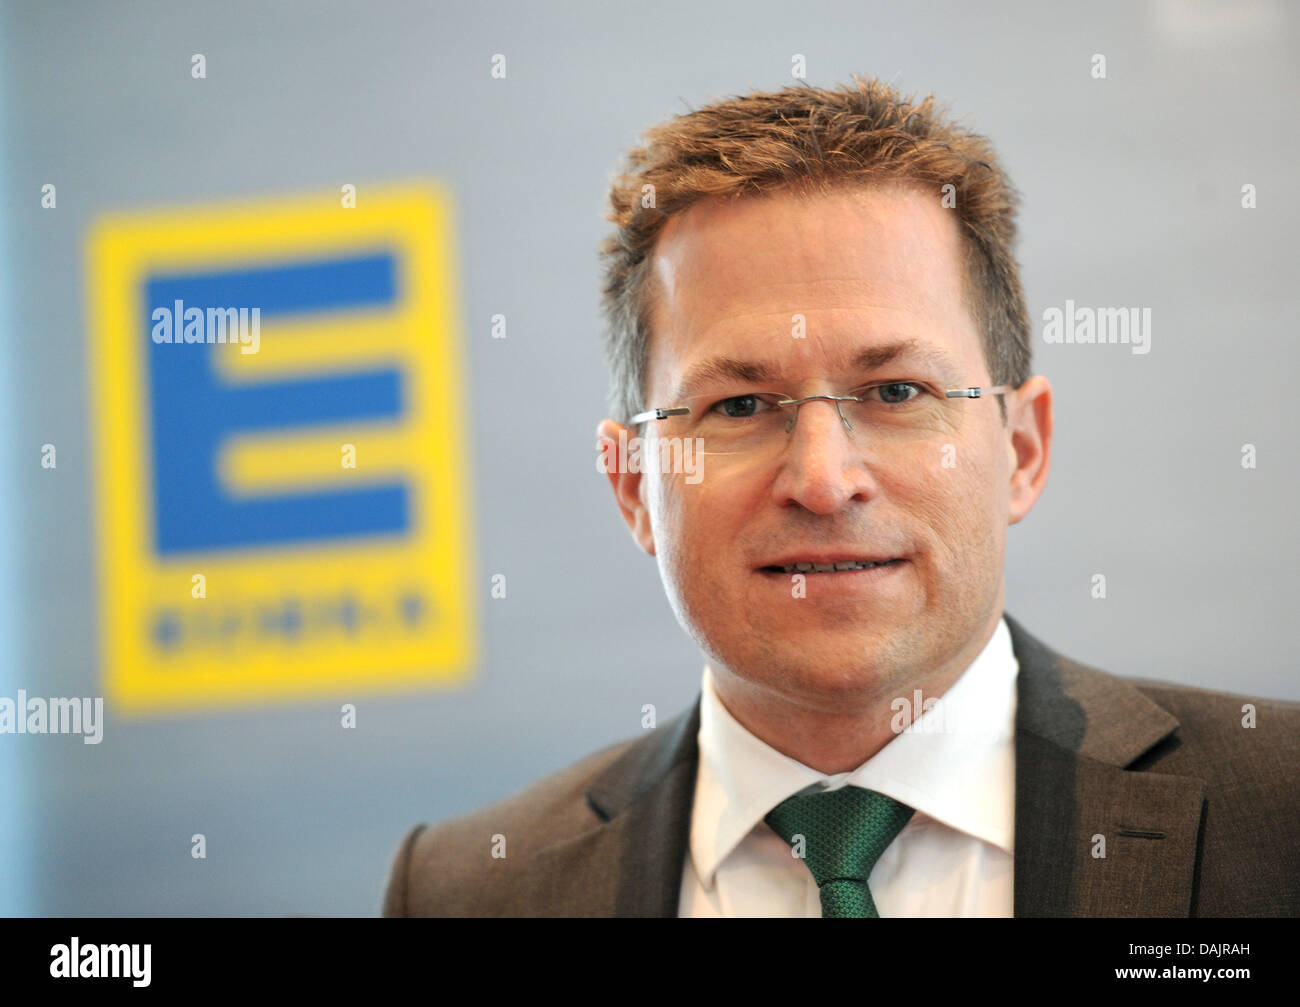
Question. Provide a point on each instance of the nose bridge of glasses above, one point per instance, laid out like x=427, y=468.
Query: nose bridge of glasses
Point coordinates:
x=792, y=405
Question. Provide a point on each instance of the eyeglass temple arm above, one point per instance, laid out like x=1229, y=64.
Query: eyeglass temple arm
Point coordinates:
x=657, y=414
x=975, y=393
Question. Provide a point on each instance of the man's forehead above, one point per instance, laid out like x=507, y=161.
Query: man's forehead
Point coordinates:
x=733, y=281
x=842, y=223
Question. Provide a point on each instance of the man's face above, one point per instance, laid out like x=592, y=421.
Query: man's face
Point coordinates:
x=866, y=270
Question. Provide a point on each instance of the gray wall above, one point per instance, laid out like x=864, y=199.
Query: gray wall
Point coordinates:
x=1132, y=198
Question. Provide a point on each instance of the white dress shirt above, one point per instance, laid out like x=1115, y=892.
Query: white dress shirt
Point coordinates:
x=955, y=765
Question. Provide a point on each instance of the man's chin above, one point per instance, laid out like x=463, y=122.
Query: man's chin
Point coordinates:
x=861, y=667
x=830, y=637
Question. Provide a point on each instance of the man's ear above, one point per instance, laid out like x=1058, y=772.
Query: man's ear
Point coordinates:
x=1029, y=414
x=614, y=442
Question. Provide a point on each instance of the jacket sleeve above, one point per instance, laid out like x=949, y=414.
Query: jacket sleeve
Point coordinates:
x=395, y=896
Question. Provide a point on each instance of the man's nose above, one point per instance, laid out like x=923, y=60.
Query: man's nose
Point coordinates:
x=823, y=464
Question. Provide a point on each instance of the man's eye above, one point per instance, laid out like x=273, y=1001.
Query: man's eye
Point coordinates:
x=895, y=392
x=740, y=406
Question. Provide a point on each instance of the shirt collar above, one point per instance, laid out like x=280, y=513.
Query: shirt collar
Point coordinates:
x=955, y=764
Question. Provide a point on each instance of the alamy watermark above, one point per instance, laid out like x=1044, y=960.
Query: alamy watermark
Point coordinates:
x=179, y=324
x=919, y=715
x=1127, y=326
x=76, y=960
x=78, y=715
x=680, y=455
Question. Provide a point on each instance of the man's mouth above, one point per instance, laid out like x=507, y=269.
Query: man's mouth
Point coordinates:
x=837, y=566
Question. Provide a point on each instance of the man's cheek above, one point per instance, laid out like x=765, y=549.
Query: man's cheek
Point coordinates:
x=968, y=493
x=662, y=503
x=936, y=505
x=683, y=536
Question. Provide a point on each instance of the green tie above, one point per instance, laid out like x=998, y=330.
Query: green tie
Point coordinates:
x=845, y=831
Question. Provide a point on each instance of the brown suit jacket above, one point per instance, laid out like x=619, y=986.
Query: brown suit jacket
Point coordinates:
x=1200, y=814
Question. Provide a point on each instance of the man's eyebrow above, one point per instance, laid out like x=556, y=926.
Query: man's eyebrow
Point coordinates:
x=723, y=368
x=877, y=356
x=716, y=369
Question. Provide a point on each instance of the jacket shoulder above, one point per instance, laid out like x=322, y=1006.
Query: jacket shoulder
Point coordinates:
x=1192, y=698
x=449, y=869
x=1252, y=739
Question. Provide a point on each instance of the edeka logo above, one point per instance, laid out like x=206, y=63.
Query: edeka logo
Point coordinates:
x=290, y=521
x=194, y=412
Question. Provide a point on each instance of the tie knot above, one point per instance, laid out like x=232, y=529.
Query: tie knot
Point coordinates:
x=844, y=831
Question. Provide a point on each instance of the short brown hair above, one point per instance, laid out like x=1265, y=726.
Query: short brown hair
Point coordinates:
x=804, y=138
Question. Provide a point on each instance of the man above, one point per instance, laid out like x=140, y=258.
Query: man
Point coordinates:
x=821, y=360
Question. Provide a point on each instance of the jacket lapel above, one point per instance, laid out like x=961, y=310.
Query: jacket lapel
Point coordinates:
x=1080, y=739
x=630, y=863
